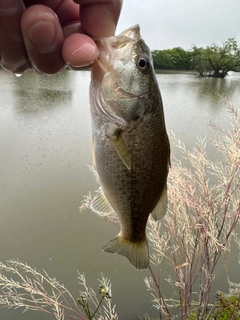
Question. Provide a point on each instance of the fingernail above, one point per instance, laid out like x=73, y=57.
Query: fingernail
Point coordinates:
x=79, y=68
x=84, y=56
x=9, y=6
x=43, y=36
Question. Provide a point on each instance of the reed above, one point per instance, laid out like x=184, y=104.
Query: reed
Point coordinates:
x=22, y=286
x=203, y=210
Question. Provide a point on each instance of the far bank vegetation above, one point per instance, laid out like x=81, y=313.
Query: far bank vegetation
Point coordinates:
x=212, y=61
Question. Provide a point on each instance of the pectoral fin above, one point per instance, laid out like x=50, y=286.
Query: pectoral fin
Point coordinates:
x=161, y=207
x=100, y=204
x=122, y=150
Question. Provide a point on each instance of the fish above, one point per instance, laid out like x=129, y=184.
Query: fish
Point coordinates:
x=130, y=145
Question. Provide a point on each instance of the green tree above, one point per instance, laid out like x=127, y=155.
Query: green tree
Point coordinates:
x=161, y=59
x=176, y=58
x=217, y=61
x=180, y=58
x=200, y=62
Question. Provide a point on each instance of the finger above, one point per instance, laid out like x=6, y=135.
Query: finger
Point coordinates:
x=43, y=39
x=70, y=28
x=13, y=54
x=99, y=17
x=79, y=51
x=67, y=11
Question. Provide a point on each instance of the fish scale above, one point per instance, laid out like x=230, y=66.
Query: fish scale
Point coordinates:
x=131, y=151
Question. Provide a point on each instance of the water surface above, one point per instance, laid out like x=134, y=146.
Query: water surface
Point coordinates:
x=45, y=148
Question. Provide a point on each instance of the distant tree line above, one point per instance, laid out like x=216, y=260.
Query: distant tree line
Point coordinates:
x=212, y=61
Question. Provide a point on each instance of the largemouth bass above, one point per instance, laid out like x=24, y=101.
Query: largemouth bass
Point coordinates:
x=131, y=152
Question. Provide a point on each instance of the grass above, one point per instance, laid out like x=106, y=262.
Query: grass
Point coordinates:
x=204, y=208
x=25, y=287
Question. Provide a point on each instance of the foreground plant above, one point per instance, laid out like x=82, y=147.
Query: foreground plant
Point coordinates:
x=204, y=208
x=227, y=307
x=88, y=297
x=28, y=288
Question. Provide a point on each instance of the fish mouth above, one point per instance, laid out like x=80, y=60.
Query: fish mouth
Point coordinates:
x=103, y=64
x=113, y=48
x=132, y=33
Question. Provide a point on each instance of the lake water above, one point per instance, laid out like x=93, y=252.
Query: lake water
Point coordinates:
x=45, y=148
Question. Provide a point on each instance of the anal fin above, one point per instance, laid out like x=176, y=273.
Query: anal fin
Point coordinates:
x=100, y=204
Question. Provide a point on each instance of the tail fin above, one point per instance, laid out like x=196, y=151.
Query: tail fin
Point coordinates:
x=137, y=253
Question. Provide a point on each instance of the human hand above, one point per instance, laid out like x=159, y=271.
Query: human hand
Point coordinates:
x=49, y=37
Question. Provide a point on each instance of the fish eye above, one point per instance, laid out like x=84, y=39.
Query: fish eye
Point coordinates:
x=143, y=63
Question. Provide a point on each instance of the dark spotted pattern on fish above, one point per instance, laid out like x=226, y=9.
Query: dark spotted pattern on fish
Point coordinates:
x=131, y=148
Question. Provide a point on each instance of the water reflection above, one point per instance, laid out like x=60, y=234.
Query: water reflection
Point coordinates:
x=45, y=148
x=212, y=88
x=190, y=102
x=34, y=95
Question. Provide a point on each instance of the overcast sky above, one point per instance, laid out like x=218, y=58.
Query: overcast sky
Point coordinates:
x=167, y=24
